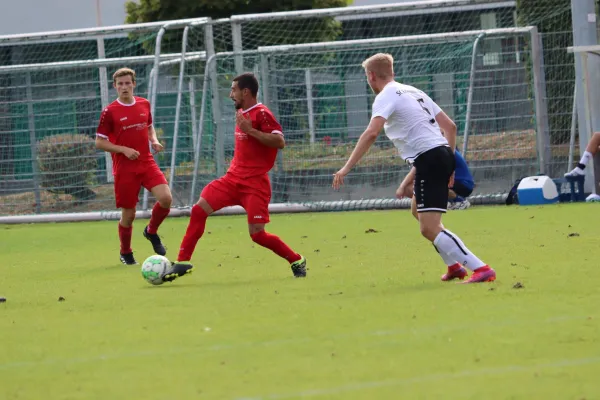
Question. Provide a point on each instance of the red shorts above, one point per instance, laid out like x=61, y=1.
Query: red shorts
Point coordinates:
x=254, y=194
x=129, y=183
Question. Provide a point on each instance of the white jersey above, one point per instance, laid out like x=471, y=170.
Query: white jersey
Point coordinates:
x=410, y=119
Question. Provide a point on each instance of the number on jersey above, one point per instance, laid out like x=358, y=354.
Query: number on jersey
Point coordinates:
x=422, y=104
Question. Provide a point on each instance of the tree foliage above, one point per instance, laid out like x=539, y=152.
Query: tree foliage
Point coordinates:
x=254, y=35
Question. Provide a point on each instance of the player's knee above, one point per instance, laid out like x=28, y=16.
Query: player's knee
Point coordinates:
x=127, y=217
x=255, y=232
x=430, y=232
x=165, y=201
x=205, y=206
x=595, y=139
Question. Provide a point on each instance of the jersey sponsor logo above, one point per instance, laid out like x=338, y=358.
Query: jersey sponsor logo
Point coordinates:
x=241, y=135
x=258, y=217
x=138, y=127
x=142, y=115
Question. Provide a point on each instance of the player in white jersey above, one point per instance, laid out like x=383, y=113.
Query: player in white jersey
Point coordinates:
x=414, y=123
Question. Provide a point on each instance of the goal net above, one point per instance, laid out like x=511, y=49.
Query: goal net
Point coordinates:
x=482, y=79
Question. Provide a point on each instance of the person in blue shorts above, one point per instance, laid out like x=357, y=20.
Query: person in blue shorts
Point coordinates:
x=457, y=194
x=463, y=185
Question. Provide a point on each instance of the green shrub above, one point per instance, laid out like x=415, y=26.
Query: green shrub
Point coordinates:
x=67, y=164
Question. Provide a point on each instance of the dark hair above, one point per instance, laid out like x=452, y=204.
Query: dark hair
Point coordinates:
x=247, y=81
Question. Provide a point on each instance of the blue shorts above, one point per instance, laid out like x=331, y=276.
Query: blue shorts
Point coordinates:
x=463, y=189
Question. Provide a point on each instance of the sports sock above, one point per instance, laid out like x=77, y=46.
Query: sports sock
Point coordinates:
x=158, y=216
x=125, y=238
x=194, y=232
x=448, y=260
x=276, y=245
x=585, y=158
x=447, y=242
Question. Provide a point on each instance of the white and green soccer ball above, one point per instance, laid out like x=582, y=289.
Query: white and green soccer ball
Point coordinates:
x=154, y=268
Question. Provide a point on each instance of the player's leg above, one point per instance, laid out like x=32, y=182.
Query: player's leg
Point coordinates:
x=125, y=233
x=127, y=187
x=198, y=216
x=255, y=199
x=434, y=169
x=435, y=199
x=455, y=270
x=216, y=195
x=413, y=208
x=161, y=209
x=457, y=196
x=588, y=154
x=154, y=181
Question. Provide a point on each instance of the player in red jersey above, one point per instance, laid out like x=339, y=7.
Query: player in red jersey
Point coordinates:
x=258, y=136
x=124, y=130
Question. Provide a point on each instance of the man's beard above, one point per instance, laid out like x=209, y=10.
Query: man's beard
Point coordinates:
x=238, y=105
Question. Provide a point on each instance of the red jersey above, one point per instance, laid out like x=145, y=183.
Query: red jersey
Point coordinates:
x=251, y=157
x=127, y=125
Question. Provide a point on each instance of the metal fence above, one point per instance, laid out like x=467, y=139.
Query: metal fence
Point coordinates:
x=56, y=83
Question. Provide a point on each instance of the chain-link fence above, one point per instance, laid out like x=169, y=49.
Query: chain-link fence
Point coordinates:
x=50, y=94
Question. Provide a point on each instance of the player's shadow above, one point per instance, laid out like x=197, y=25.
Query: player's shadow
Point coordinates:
x=167, y=286
x=220, y=284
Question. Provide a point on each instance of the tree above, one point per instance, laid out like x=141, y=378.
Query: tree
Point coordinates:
x=254, y=35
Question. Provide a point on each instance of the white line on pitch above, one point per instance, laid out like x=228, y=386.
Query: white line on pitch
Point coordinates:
x=280, y=342
x=425, y=378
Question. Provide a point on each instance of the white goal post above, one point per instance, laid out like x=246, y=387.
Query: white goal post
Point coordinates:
x=590, y=60
x=336, y=204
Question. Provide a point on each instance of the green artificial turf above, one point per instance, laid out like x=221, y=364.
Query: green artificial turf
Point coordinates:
x=371, y=321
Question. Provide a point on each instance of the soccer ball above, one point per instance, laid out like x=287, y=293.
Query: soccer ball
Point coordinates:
x=154, y=268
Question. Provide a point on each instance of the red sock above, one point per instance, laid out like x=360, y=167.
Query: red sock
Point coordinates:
x=125, y=238
x=158, y=216
x=194, y=232
x=276, y=245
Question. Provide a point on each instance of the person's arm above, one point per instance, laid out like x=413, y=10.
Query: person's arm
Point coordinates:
x=406, y=187
x=103, y=133
x=270, y=139
x=448, y=128
x=366, y=140
x=106, y=145
x=156, y=145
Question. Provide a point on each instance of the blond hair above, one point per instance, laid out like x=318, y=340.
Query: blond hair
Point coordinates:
x=382, y=64
x=124, y=72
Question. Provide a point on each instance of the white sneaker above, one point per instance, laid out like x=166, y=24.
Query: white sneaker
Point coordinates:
x=459, y=205
x=575, y=172
x=593, y=198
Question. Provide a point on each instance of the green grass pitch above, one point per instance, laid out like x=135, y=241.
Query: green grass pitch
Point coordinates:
x=371, y=321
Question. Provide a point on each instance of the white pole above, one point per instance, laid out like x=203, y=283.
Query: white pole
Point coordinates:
x=192, y=91
x=178, y=106
x=573, y=130
x=103, y=86
x=583, y=14
x=309, y=104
